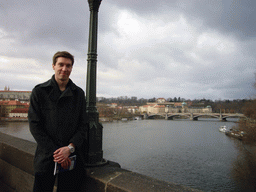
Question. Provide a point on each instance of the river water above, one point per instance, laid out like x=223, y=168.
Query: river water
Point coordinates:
x=191, y=153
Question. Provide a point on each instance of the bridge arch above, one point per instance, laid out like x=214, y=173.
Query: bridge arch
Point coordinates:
x=171, y=117
x=195, y=118
x=155, y=116
x=224, y=117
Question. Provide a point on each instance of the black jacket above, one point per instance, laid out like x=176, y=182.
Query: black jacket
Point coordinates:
x=55, y=120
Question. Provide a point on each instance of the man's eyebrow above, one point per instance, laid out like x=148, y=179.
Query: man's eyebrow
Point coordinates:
x=64, y=63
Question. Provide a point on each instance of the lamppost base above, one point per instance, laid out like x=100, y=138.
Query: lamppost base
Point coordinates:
x=98, y=164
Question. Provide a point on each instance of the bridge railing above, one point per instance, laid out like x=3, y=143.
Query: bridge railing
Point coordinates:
x=195, y=116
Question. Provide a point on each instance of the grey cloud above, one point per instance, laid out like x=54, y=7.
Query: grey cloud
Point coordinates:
x=46, y=23
x=230, y=16
x=233, y=17
x=37, y=29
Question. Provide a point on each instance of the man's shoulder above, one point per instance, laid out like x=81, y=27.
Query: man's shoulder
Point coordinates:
x=80, y=91
x=42, y=85
x=75, y=87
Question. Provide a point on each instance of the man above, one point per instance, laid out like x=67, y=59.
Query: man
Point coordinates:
x=57, y=121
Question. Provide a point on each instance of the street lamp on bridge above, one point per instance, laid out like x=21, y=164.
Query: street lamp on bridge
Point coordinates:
x=95, y=154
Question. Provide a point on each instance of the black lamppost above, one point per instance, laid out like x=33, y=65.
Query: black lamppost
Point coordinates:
x=95, y=153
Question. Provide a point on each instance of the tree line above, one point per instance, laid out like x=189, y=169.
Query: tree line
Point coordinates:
x=224, y=106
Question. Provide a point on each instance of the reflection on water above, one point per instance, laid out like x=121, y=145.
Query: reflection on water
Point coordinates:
x=244, y=168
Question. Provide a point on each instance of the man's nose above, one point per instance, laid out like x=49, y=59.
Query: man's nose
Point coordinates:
x=64, y=68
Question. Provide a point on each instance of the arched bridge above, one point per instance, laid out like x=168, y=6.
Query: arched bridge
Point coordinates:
x=195, y=116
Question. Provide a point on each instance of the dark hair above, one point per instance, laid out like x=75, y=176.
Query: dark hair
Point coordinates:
x=64, y=54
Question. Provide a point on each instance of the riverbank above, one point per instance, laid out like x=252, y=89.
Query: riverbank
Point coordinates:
x=101, y=119
x=4, y=119
x=236, y=134
x=13, y=119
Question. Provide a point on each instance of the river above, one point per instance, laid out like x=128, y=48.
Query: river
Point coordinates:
x=191, y=153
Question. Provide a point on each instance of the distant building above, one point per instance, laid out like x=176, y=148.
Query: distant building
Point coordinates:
x=152, y=108
x=160, y=100
x=113, y=105
x=20, y=95
x=19, y=112
x=7, y=88
x=133, y=109
x=189, y=107
x=145, y=108
x=8, y=106
x=158, y=109
x=174, y=107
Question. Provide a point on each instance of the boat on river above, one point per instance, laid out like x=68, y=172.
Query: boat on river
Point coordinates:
x=235, y=133
x=223, y=129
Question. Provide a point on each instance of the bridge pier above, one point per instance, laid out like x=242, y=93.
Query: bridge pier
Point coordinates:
x=192, y=118
x=222, y=118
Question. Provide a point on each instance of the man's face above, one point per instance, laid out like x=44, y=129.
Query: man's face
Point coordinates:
x=62, y=68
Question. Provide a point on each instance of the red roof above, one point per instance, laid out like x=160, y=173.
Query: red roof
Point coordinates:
x=160, y=106
x=17, y=91
x=3, y=102
x=178, y=104
x=20, y=110
x=151, y=105
x=13, y=102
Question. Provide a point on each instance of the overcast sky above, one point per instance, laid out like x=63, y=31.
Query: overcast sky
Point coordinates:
x=167, y=48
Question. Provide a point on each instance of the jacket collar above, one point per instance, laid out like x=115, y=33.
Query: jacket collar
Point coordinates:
x=54, y=94
x=52, y=83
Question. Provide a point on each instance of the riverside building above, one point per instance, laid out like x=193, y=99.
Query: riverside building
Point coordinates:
x=162, y=106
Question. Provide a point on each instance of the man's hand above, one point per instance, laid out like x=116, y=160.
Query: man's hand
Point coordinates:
x=61, y=155
x=66, y=164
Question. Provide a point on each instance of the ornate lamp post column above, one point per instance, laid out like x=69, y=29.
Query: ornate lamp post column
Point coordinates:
x=95, y=153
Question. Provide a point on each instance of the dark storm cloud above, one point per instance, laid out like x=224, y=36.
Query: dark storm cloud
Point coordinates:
x=234, y=17
x=45, y=23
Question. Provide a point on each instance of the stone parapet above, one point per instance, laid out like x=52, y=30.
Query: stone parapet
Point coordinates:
x=16, y=172
x=111, y=178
